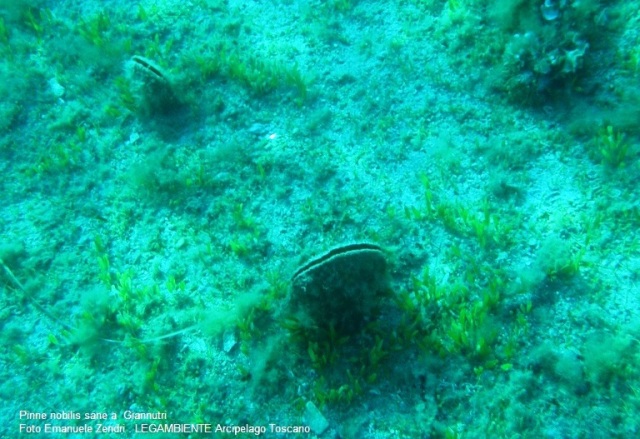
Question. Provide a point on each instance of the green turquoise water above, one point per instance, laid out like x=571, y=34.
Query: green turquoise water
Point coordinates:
x=335, y=219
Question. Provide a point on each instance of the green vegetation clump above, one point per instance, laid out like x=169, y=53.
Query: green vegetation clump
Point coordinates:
x=95, y=29
x=547, y=45
x=557, y=260
x=612, y=147
x=257, y=75
x=609, y=359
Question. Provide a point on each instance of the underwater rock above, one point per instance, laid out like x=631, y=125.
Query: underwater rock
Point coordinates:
x=314, y=419
x=550, y=10
x=341, y=288
x=229, y=340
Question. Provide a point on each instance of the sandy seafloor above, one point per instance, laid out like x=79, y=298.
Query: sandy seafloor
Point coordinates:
x=169, y=165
